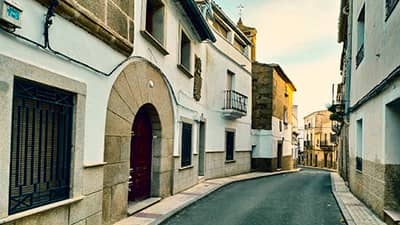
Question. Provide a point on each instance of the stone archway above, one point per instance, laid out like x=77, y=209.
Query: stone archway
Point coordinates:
x=139, y=84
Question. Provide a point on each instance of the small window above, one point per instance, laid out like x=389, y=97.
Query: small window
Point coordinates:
x=230, y=145
x=185, y=51
x=155, y=19
x=186, y=145
x=239, y=45
x=390, y=6
x=359, y=144
x=221, y=29
x=40, y=146
x=360, y=36
x=285, y=116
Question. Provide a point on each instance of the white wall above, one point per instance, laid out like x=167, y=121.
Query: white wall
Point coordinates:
x=381, y=58
x=381, y=47
x=68, y=38
x=266, y=141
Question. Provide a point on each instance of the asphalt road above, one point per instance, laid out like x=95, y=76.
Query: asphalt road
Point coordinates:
x=302, y=198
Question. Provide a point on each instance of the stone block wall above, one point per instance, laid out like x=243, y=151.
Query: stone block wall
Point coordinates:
x=271, y=164
x=261, y=96
x=369, y=184
x=187, y=177
x=216, y=166
x=112, y=21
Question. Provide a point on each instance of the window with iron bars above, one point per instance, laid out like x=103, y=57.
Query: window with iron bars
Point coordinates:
x=40, y=145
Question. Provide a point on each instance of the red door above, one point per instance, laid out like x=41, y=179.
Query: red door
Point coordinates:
x=140, y=165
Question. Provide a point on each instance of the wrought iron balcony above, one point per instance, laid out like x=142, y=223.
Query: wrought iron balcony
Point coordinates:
x=360, y=55
x=326, y=147
x=235, y=105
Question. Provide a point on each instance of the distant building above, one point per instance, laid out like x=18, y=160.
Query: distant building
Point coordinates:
x=272, y=120
x=295, y=134
x=319, y=140
x=368, y=103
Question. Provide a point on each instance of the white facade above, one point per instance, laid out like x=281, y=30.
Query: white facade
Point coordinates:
x=266, y=141
x=94, y=90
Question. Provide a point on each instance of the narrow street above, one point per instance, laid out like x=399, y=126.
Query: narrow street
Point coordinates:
x=291, y=199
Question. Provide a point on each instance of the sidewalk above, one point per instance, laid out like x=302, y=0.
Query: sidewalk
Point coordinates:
x=353, y=210
x=159, y=212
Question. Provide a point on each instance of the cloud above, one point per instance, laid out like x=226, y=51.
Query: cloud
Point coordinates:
x=300, y=35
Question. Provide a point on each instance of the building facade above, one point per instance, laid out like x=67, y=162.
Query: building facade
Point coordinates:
x=271, y=118
x=320, y=149
x=372, y=70
x=143, y=99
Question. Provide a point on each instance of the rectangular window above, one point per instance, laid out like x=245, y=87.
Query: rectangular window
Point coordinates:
x=186, y=145
x=390, y=6
x=360, y=36
x=218, y=25
x=155, y=19
x=185, y=51
x=230, y=145
x=239, y=45
x=40, y=145
x=360, y=144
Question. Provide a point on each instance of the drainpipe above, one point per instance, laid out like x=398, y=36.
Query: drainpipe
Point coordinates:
x=348, y=87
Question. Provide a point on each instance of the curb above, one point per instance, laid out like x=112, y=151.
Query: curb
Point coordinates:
x=345, y=212
x=180, y=208
x=319, y=168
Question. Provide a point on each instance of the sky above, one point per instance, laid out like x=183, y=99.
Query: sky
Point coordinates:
x=301, y=36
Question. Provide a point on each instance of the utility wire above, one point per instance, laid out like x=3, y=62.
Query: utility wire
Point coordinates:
x=46, y=46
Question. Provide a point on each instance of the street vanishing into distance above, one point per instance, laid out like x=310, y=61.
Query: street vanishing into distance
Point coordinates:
x=302, y=198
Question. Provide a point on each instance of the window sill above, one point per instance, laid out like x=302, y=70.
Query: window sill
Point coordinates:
x=41, y=209
x=186, y=168
x=184, y=70
x=230, y=161
x=154, y=42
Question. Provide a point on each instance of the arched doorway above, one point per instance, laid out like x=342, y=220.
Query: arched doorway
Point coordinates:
x=141, y=157
x=139, y=93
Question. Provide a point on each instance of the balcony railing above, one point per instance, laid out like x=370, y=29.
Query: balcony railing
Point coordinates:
x=326, y=147
x=360, y=55
x=235, y=105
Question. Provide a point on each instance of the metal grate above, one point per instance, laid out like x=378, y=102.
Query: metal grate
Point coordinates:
x=40, y=145
x=186, y=144
x=235, y=100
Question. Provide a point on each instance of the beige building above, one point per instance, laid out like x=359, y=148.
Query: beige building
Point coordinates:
x=320, y=149
x=272, y=120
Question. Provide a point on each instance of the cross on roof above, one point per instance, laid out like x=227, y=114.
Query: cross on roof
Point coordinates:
x=240, y=7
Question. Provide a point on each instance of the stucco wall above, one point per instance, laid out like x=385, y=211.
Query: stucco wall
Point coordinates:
x=381, y=47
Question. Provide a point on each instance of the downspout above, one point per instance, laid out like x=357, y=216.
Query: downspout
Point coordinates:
x=348, y=85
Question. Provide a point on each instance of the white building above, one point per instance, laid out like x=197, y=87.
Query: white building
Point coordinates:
x=374, y=65
x=177, y=104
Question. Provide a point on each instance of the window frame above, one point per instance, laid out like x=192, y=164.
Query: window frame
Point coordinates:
x=390, y=8
x=230, y=157
x=186, y=160
x=160, y=45
x=186, y=69
x=360, y=53
x=359, y=128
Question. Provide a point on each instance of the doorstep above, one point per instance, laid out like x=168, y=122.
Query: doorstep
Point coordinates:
x=392, y=217
x=134, y=207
